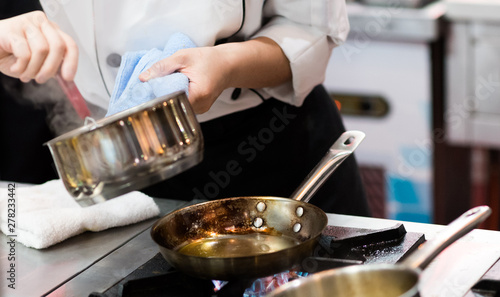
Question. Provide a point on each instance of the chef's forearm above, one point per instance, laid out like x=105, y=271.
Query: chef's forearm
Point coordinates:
x=255, y=63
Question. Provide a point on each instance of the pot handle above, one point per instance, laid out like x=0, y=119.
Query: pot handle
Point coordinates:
x=455, y=230
x=338, y=152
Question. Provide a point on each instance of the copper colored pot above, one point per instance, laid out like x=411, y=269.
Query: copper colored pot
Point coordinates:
x=248, y=237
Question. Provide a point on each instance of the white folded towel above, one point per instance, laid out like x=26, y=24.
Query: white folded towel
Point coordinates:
x=46, y=214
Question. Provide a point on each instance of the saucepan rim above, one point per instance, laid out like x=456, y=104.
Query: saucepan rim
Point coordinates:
x=106, y=121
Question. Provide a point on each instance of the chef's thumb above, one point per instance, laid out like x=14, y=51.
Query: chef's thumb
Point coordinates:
x=161, y=68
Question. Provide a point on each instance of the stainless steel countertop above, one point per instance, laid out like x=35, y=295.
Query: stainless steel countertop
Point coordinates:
x=92, y=262
x=38, y=272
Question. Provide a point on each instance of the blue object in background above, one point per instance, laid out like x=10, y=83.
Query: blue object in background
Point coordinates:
x=409, y=200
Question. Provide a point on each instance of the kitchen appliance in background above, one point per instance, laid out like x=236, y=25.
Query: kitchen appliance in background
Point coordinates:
x=382, y=78
x=473, y=73
x=472, y=110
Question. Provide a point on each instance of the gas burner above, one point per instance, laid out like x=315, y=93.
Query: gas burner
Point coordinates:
x=338, y=247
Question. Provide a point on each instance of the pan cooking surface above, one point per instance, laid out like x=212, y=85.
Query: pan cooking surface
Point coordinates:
x=237, y=245
x=215, y=239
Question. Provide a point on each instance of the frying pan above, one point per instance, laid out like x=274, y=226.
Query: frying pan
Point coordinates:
x=384, y=280
x=249, y=237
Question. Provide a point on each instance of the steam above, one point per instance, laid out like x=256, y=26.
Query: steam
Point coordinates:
x=61, y=116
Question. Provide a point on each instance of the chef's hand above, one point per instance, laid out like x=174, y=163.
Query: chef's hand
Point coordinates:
x=255, y=63
x=206, y=79
x=32, y=47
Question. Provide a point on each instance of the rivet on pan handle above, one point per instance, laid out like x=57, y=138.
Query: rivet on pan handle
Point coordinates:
x=338, y=152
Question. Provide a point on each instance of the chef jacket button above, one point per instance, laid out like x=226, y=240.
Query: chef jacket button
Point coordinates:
x=114, y=60
x=236, y=93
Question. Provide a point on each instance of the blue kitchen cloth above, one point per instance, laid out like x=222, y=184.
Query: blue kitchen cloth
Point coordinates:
x=129, y=91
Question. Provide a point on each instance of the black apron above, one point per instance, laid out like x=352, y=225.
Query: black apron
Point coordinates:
x=268, y=150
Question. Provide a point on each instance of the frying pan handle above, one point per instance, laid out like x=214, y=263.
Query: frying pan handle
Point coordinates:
x=338, y=152
x=455, y=230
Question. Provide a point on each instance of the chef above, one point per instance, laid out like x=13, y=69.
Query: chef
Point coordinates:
x=254, y=80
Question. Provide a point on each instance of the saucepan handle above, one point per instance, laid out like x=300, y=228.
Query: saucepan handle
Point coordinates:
x=456, y=229
x=338, y=152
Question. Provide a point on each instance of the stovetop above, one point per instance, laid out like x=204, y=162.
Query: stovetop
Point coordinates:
x=337, y=247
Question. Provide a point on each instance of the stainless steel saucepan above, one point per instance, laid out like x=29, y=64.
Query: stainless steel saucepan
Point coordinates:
x=249, y=237
x=129, y=150
x=384, y=280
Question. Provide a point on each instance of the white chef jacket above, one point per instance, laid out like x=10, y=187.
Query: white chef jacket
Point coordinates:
x=306, y=30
